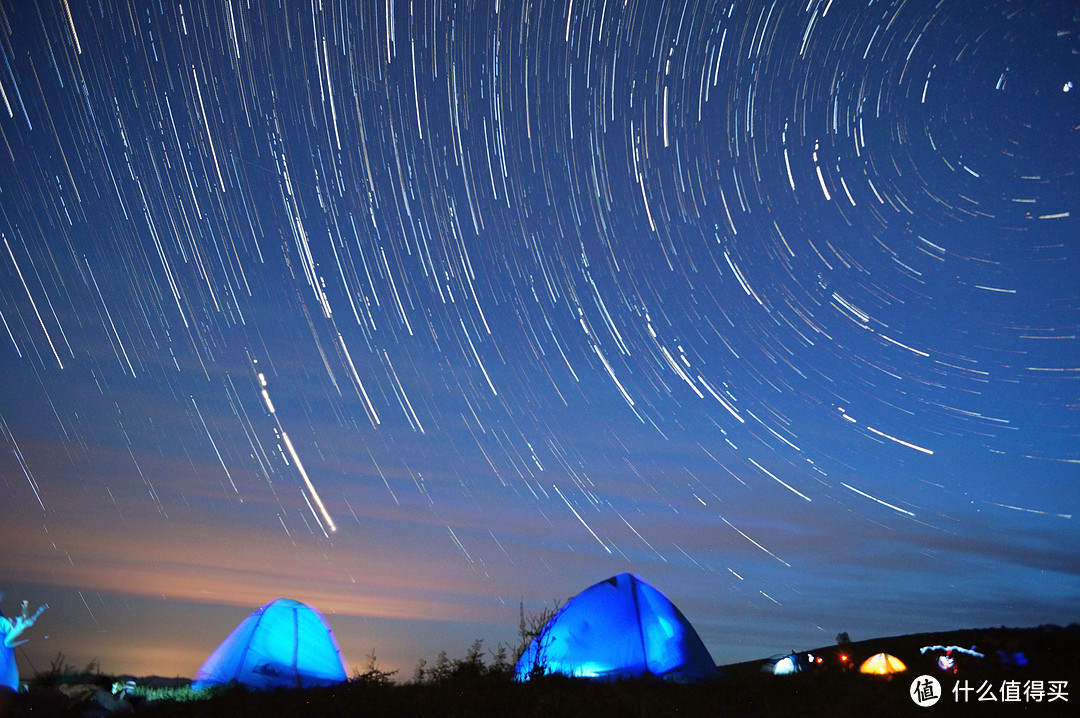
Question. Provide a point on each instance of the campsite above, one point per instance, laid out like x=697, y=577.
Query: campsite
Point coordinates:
x=619, y=647
x=344, y=328
x=469, y=688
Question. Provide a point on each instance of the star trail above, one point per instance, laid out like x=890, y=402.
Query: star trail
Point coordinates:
x=417, y=312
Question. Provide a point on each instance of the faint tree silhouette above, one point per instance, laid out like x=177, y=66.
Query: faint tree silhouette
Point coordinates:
x=535, y=629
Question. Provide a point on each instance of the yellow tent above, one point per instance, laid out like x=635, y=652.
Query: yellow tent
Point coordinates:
x=881, y=664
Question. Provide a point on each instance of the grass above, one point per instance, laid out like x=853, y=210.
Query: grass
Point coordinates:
x=176, y=694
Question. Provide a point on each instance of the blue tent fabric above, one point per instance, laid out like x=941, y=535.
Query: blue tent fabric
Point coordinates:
x=9, y=671
x=10, y=631
x=284, y=644
x=618, y=628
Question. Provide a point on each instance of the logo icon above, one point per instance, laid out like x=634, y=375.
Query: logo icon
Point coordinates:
x=925, y=691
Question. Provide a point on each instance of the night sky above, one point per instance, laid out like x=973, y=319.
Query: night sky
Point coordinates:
x=422, y=313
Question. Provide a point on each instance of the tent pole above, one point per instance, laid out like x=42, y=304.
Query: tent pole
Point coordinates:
x=637, y=611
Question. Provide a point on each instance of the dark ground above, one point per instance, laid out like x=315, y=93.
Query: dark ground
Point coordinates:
x=830, y=688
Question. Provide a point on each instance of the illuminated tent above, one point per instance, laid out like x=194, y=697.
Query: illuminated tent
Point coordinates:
x=882, y=664
x=784, y=665
x=9, y=672
x=618, y=628
x=284, y=644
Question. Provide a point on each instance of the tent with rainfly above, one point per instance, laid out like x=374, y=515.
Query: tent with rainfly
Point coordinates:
x=618, y=628
x=284, y=644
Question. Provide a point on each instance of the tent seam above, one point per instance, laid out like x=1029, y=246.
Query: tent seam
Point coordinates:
x=247, y=644
x=296, y=645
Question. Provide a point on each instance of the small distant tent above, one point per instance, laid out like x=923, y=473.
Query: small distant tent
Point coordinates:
x=1008, y=658
x=882, y=664
x=784, y=665
x=284, y=644
x=618, y=628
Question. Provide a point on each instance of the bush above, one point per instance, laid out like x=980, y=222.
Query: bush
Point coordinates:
x=60, y=671
x=472, y=667
x=372, y=675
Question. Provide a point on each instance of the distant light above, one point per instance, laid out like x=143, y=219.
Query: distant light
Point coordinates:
x=1068, y=86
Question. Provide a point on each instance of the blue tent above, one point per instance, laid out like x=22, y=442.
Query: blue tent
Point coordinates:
x=784, y=665
x=9, y=672
x=284, y=644
x=618, y=628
